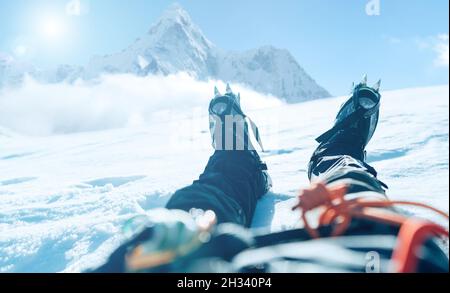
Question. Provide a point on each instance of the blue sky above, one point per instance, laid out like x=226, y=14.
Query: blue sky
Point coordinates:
x=406, y=44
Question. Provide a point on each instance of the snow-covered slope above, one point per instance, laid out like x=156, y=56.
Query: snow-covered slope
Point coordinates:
x=175, y=44
x=64, y=198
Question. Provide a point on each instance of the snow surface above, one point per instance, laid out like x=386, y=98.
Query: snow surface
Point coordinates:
x=65, y=197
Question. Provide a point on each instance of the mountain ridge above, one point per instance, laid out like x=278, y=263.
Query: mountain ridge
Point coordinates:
x=174, y=43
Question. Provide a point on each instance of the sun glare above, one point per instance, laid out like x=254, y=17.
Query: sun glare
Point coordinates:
x=52, y=28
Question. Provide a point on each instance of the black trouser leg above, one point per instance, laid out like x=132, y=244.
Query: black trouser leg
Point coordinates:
x=340, y=161
x=230, y=186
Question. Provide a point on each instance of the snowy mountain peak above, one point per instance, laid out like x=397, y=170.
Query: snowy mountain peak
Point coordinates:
x=176, y=13
x=175, y=43
x=175, y=27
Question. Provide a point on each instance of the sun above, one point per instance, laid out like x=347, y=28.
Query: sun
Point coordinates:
x=52, y=28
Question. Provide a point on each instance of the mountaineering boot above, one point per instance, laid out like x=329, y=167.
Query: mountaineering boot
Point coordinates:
x=357, y=118
x=232, y=130
x=228, y=124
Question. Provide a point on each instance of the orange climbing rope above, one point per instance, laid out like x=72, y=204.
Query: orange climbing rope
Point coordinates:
x=339, y=213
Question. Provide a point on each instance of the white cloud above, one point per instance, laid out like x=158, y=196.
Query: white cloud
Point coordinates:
x=438, y=44
x=115, y=101
x=441, y=48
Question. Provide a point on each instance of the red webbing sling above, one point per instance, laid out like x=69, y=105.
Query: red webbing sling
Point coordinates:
x=339, y=212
